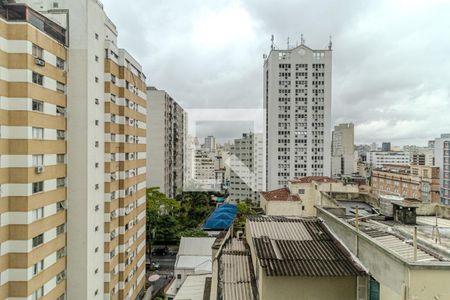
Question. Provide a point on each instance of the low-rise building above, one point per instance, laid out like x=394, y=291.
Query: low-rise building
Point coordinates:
x=194, y=257
x=301, y=195
x=415, y=182
x=404, y=261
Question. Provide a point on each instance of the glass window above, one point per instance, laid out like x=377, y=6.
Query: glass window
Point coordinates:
x=60, y=134
x=38, y=133
x=61, y=205
x=60, y=229
x=38, y=240
x=39, y=293
x=38, y=105
x=38, y=78
x=38, y=160
x=37, y=267
x=60, y=158
x=38, y=186
x=60, y=63
x=60, y=182
x=60, y=87
x=38, y=51
x=38, y=213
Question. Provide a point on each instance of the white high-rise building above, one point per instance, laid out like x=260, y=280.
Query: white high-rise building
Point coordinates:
x=343, y=158
x=379, y=158
x=297, y=100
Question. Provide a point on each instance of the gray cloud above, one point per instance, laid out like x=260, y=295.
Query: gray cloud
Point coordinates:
x=391, y=64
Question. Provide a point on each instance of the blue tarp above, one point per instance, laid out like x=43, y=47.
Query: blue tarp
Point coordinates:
x=221, y=218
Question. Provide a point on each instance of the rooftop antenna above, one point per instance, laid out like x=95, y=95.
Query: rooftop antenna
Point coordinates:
x=288, y=43
x=271, y=46
x=330, y=44
x=302, y=40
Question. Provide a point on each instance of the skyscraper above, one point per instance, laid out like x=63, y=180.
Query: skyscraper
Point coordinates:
x=343, y=161
x=166, y=138
x=297, y=102
x=103, y=147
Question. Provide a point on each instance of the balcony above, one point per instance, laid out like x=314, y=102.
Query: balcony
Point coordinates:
x=19, y=12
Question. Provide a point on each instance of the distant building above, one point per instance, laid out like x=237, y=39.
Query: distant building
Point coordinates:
x=415, y=181
x=343, y=160
x=386, y=146
x=247, y=174
x=442, y=160
x=297, y=103
x=166, y=136
x=210, y=144
x=379, y=158
x=301, y=196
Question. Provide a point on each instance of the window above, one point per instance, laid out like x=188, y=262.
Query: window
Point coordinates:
x=60, y=158
x=38, y=133
x=61, y=253
x=178, y=276
x=60, y=111
x=60, y=206
x=96, y=58
x=38, y=105
x=60, y=87
x=60, y=182
x=113, y=98
x=37, y=267
x=60, y=134
x=38, y=187
x=96, y=164
x=96, y=249
x=97, y=186
x=60, y=229
x=96, y=36
x=113, y=79
x=97, y=208
x=96, y=122
x=38, y=52
x=38, y=213
x=39, y=293
x=97, y=144
x=113, y=137
x=38, y=240
x=38, y=78
x=96, y=79
x=96, y=228
x=97, y=101
x=38, y=160
x=60, y=63
x=96, y=293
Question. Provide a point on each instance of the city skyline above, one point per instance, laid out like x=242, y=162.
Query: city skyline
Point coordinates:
x=368, y=39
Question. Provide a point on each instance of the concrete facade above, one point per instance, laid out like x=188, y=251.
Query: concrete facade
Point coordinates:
x=379, y=158
x=297, y=103
x=343, y=158
x=166, y=147
x=442, y=160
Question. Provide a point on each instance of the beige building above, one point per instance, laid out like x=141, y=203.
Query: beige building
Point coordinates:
x=91, y=160
x=32, y=155
x=414, y=182
x=301, y=196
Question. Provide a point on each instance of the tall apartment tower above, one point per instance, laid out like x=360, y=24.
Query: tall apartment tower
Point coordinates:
x=106, y=155
x=442, y=160
x=32, y=155
x=343, y=161
x=297, y=101
x=247, y=174
x=166, y=137
x=210, y=144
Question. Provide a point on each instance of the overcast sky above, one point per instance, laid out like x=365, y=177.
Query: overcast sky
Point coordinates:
x=391, y=58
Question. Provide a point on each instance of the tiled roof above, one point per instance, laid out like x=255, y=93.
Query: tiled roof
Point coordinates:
x=236, y=279
x=294, y=246
x=282, y=194
x=309, y=179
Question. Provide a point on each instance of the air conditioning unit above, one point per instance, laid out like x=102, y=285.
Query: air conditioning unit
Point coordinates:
x=113, y=214
x=113, y=234
x=39, y=169
x=128, y=251
x=39, y=61
x=60, y=277
x=131, y=104
x=61, y=110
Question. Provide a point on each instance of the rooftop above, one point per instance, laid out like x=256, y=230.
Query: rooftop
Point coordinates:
x=282, y=194
x=309, y=179
x=236, y=278
x=294, y=246
x=196, y=246
x=195, y=287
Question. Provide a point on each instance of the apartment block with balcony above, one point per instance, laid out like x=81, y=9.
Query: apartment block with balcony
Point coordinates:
x=442, y=160
x=413, y=182
x=125, y=174
x=33, y=53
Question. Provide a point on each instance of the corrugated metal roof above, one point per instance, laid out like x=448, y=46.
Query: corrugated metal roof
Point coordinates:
x=236, y=281
x=294, y=246
x=192, y=288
